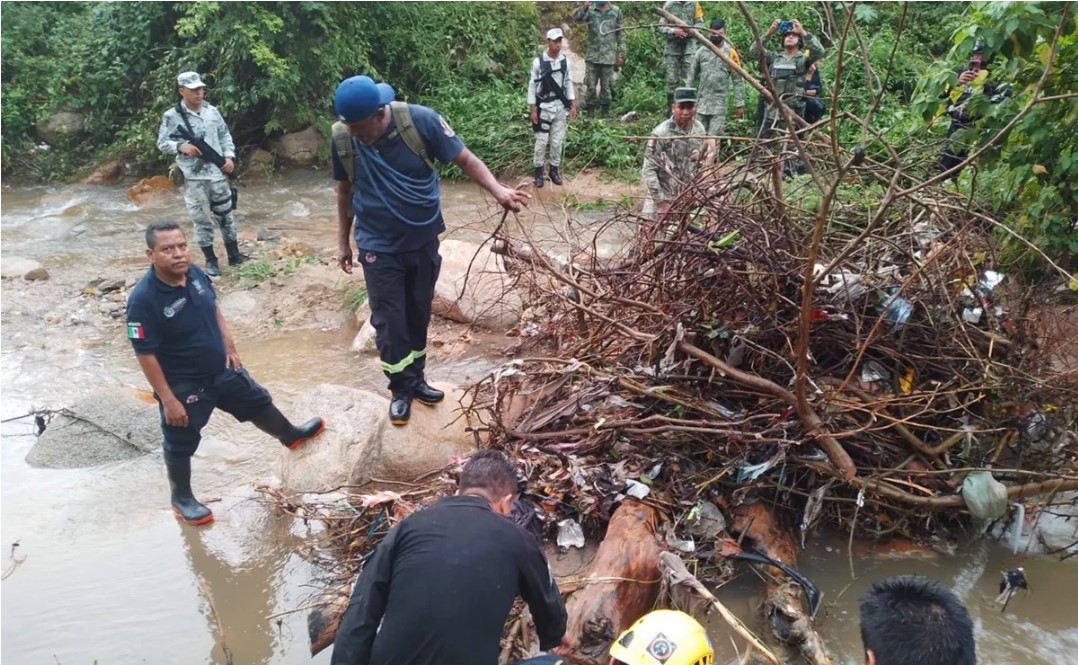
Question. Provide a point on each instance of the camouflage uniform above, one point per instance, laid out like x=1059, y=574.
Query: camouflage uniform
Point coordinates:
x=678, y=51
x=205, y=184
x=716, y=79
x=606, y=43
x=553, y=115
x=670, y=164
x=788, y=74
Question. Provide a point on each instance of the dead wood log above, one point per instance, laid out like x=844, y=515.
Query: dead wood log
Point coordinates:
x=325, y=618
x=620, y=586
x=789, y=622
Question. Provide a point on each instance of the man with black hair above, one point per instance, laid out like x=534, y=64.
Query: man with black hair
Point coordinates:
x=911, y=620
x=187, y=353
x=716, y=80
x=440, y=586
x=973, y=79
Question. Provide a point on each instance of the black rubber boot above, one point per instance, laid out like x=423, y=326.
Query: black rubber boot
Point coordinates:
x=538, y=176
x=234, y=256
x=184, y=503
x=272, y=422
x=426, y=393
x=590, y=112
x=212, y=269
x=400, y=409
x=555, y=177
x=604, y=111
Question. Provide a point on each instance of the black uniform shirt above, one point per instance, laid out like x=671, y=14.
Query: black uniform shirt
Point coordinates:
x=178, y=324
x=442, y=584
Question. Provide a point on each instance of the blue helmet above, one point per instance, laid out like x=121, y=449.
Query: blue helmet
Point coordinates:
x=358, y=97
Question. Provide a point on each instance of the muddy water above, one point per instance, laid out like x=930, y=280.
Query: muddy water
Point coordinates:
x=103, y=572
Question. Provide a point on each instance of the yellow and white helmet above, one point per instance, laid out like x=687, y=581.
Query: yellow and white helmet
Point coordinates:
x=664, y=637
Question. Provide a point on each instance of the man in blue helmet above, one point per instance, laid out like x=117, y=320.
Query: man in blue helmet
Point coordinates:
x=383, y=155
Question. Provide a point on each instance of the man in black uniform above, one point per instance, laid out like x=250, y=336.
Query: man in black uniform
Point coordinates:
x=443, y=581
x=188, y=355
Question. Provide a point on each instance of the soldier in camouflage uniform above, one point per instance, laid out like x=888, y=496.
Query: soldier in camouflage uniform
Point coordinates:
x=788, y=67
x=680, y=46
x=675, y=153
x=206, y=190
x=716, y=79
x=606, y=52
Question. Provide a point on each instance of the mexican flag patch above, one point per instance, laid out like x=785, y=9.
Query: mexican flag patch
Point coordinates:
x=135, y=331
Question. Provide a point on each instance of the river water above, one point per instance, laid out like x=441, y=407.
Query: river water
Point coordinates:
x=102, y=571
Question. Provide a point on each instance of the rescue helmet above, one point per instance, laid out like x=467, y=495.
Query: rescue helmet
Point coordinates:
x=664, y=637
x=358, y=97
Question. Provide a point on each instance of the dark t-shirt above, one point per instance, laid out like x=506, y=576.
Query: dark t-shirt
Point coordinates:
x=377, y=228
x=178, y=324
x=440, y=586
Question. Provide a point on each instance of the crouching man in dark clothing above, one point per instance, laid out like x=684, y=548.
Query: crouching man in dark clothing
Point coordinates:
x=443, y=581
x=186, y=351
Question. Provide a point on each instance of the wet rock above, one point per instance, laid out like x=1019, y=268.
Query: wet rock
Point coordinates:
x=259, y=164
x=107, y=425
x=14, y=267
x=360, y=443
x=432, y=438
x=110, y=285
x=485, y=297
x=300, y=148
x=265, y=235
x=62, y=125
x=149, y=188
x=364, y=340
x=108, y=173
x=36, y=275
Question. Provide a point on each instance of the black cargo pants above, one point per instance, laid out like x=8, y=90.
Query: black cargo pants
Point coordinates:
x=400, y=289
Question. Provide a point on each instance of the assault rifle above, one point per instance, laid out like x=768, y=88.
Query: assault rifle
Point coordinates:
x=185, y=132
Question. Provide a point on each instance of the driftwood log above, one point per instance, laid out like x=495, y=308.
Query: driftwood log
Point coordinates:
x=620, y=586
x=789, y=622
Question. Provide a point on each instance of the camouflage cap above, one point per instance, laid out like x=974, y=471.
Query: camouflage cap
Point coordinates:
x=190, y=80
x=684, y=95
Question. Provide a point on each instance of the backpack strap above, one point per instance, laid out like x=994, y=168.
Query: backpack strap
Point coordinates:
x=341, y=142
x=402, y=115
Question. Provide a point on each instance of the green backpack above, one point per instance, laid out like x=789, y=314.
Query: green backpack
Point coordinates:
x=341, y=139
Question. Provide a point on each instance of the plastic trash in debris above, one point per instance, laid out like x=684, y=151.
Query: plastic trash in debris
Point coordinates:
x=750, y=472
x=687, y=546
x=570, y=534
x=873, y=371
x=654, y=471
x=990, y=280
x=725, y=411
x=897, y=310
x=705, y=520
x=985, y=496
x=636, y=489
x=972, y=314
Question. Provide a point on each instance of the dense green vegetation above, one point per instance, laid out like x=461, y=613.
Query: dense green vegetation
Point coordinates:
x=273, y=66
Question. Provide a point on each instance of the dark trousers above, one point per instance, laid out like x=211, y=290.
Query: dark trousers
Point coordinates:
x=400, y=288
x=954, y=152
x=232, y=390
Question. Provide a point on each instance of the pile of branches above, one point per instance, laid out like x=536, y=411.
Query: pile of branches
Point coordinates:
x=824, y=360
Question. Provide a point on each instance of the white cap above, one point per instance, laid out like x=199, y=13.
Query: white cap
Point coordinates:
x=554, y=33
x=190, y=80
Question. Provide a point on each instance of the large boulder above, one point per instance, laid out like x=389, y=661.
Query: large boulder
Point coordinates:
x=14, y=267
x=62, y=125
x=107, y=425
x=300, y=148
x=259, y=164
x=474, y=287
x=360, y=443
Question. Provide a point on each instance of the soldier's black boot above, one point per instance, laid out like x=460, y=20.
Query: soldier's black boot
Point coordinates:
x=555, y=177
x=212, y=269
x=273, y=422
x=400, y=409
x=428, y=394
x=538, y=176
x=234, y=256
x=184, y=503
x=604, y=111
x=590, y=112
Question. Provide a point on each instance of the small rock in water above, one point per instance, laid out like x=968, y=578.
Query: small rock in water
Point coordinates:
x=109, y=285
x=36, y=274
